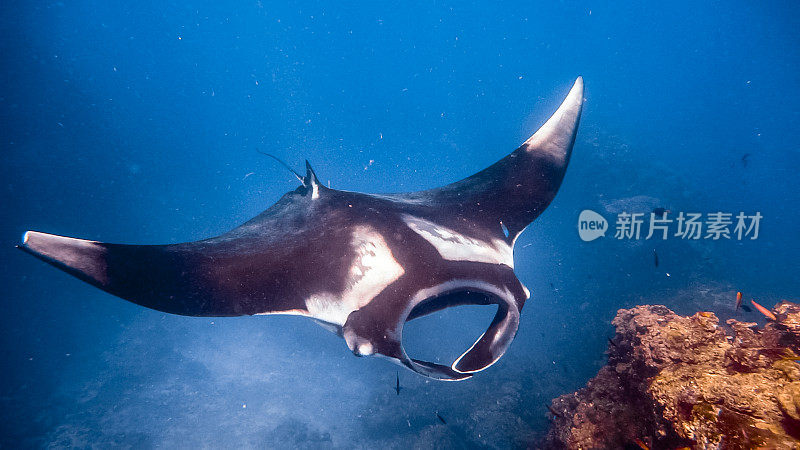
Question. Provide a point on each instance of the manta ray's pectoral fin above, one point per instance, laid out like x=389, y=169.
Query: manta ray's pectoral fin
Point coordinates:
x=516, y=189
x=154, y=276
x=81, y=258
x=183, y=279
x=246, y=271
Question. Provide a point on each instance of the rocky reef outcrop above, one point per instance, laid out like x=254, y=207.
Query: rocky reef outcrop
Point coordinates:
x=674, y=381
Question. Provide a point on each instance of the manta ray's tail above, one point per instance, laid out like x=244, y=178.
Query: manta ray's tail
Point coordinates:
x=161, y=277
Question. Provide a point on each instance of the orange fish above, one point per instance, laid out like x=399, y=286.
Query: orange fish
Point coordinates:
x=641, y=444
x=764, y=311
x=738, y=300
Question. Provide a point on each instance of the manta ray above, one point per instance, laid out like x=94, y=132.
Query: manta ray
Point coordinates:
x=361, y=265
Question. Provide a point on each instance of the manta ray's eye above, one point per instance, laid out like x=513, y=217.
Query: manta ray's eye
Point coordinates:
x=446, y=326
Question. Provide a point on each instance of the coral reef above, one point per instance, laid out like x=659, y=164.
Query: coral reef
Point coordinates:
x=674, y=381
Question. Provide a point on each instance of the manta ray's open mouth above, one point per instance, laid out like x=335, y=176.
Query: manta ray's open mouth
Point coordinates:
x=486, y=350
x=442, y=328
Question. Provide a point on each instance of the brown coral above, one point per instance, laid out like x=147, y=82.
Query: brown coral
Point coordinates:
x=675, y=381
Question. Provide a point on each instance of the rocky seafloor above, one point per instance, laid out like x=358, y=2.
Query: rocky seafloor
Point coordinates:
x=674, y=382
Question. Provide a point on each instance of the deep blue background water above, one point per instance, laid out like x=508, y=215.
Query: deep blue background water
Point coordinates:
x=139, y=122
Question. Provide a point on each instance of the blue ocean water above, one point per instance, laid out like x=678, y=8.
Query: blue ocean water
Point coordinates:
x=141, y=122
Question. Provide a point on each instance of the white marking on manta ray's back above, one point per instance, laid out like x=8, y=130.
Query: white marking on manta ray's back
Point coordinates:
x=415, y=198
x=455, y=246
x=372, y=270
x=314, y=191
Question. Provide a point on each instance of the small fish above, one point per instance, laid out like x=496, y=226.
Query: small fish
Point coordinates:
x=553, y=411
x=738, y=300
x=660, y=212
x=397, y=383
x=612, y=343
x=655, y=257
x=441, y=419
x=641, y=444
x=746, y=308
x=767, y=313
x=250, y=173
x=744, y=159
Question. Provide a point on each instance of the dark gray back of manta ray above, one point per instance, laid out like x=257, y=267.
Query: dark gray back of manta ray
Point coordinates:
x=330, y=255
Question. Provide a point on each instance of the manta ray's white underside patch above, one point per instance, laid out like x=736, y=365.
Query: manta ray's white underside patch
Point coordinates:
x=455, y=246
x=372, y=270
